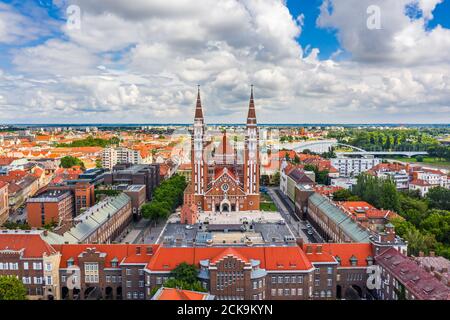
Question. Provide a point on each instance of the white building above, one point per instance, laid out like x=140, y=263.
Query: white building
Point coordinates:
x=113, y=156
x=425, y=179
x=400, y=178
x=351, y=167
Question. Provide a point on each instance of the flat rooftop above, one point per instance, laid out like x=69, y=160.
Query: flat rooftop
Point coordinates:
x=177, y=234
x=50, y=196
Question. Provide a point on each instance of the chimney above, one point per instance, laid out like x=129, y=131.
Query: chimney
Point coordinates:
x=319, y=249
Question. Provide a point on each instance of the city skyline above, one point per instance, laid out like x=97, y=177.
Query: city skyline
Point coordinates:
x=311, y=62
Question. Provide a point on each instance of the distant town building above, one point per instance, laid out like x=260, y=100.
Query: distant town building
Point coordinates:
x=423, y=179
x=351, y=167
x=52, y=206
x=112, y=156
x=138, y=196
x=4, y=202
x=139, y=174
x=102, y=223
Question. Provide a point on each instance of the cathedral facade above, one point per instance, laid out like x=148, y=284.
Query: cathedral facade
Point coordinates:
x=219, y=182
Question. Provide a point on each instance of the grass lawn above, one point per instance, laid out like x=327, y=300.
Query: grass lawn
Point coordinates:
x=426, y=160
x=266, y=203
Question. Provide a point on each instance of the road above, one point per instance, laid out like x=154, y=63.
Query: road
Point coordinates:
x=287, y=211
x=144, y=231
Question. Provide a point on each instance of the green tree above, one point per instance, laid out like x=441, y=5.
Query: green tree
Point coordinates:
x=276, y=178
x=438, y=224
x=185, y=272
x=439, y=198
x=342, y=195
x=69, y=162
x=98, y=163
x=11, y=288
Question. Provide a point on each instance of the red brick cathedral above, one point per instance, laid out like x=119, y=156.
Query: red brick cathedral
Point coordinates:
x=219, y=183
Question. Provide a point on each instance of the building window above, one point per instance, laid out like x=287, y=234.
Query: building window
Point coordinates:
x=128, y=295
x=37, y=266
x=299, y=279
x=141, y=284
x=299, y=291
x=274, y=292
x=330, y=270
x=25, y=266
x=128, y=284
x=108, y=278
x=274, y=279
x=128, y=271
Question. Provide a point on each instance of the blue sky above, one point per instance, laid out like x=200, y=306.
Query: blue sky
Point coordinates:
x=132, y=61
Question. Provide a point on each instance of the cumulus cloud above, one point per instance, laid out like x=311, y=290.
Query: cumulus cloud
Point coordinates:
x=141, y=62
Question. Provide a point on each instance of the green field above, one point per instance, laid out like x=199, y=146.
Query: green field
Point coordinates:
x=266, y=203
x=426, y=160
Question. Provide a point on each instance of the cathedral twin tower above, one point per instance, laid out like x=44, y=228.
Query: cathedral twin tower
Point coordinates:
x=224, y=186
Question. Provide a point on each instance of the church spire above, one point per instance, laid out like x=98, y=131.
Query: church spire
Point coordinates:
x=198, y=107
x=251, y=117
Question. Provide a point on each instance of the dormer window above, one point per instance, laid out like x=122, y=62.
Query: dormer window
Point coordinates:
x=353, y=261
x=369, y=261
x=70, y=262
x=338, y=259
x=114, y=263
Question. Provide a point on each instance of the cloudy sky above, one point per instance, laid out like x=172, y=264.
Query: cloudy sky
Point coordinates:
x=139, y=61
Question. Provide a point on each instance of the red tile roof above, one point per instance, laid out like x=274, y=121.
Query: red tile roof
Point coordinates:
x=419, y=182
x=271, y=258
x=417, y=281
x=177, y=294
x=329, y=252
x=124, y=253
x=32, y=244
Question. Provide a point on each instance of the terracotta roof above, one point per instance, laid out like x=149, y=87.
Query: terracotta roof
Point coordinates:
x=419, y=182
x=32, y=244
x=344, y=251
x=271, y=258
x=417, y=281
x=4, y=161
x=178, y=294
x=124, y=253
